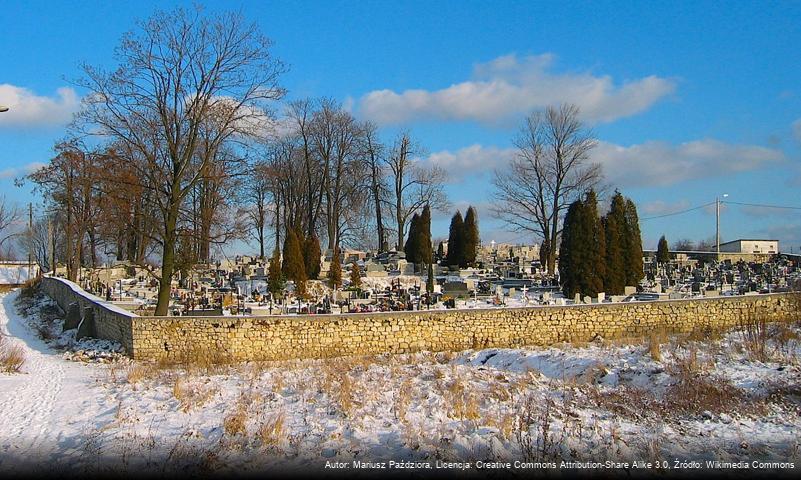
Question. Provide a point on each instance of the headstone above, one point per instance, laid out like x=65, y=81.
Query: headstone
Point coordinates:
x=587, y=299
x=87, y=326
x=577, y=298
x=629, y=290
x=601, y=297
x=73, y=317
x=546, y=296
x=711, y=293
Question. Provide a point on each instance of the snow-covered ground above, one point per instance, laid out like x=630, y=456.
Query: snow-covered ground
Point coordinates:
x=696, y=399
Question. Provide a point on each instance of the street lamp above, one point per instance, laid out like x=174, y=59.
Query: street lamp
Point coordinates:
x=717, y=224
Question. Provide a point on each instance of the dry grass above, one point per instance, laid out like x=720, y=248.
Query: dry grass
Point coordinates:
x=461, y=402
x=655, y=340
x=12, y=357
x=191, y=395
x=272, y=431
x=337, y=383
x=140, y=372
x=755, y=334
x=235, y=424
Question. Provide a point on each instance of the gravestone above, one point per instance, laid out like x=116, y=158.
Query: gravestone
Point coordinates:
x=629, y=290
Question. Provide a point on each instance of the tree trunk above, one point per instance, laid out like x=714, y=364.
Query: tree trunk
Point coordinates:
x=167, y=261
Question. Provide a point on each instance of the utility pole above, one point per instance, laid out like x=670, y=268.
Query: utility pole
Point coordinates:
x=717, y=225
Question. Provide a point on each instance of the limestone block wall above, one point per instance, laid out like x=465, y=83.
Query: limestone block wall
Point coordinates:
x=318, y=336
x=110, y=321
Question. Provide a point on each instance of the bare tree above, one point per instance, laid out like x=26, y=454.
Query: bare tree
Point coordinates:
x=178, y=72
x=70, y=183
x=412, y=185
x=37, y=239
x=552, y=168
x=373, y=151
x=9, y=216
x=258, y=195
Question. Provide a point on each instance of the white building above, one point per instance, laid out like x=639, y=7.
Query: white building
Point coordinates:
x=744, y=245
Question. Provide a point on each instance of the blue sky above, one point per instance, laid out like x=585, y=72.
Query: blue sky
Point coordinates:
x=688, y=99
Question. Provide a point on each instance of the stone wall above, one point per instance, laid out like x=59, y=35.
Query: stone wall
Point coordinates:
x=107, y=320
x=316, y=336
x=279, y=338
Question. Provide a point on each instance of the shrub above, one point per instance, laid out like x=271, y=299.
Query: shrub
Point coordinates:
x=755, y=337
x=12, y=357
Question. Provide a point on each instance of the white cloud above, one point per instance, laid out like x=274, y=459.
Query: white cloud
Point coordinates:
x=508, y=87
x=16, y=172
x=471, y=160
x=651, y=163
x=26, y=109
x=660, y=164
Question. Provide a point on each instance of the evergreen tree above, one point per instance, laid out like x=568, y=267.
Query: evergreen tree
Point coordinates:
x=595, y=268
x=633, y=256
x=355, y=276
x=275, y=279
x=430, y=279
x=424, y=245
x=569, y=255
x=293, y=267
x=614, y=223
x=662, y=251
x=441, y=252
x=335, y=270
x=456, y=240
x=412, y=246
x=471, y=237
x=311, y=257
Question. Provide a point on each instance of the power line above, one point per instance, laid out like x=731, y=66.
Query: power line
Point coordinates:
x=679, y=212
x=762, y=205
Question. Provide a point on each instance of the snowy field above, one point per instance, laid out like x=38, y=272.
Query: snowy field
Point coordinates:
x=84, y=408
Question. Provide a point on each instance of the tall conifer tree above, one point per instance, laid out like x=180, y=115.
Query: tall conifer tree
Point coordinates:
x=275, y=279
x=355, y=275
x=424, y=245
x=293, y=267
x=471, y=237
x=335, y=270
x=662, y=251
x=311, y=257
x=569, y=255
x=456, y=240
x=412, y=247
x=614, y=222
x=594, y=270
x=633, y=263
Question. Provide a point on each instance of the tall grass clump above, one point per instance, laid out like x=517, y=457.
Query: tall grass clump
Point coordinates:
x=12, y=357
